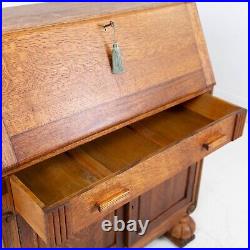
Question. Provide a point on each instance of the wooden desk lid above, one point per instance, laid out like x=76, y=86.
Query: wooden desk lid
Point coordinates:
x=58, y=88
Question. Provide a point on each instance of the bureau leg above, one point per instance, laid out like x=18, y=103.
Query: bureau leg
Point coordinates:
x=183, y=232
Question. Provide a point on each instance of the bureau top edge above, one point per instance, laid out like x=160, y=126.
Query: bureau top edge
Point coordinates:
x=34, y=16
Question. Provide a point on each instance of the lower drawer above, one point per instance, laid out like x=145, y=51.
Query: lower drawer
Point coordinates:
x=73, y=190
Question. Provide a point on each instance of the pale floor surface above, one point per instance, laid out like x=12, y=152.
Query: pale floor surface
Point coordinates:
x=222, y=212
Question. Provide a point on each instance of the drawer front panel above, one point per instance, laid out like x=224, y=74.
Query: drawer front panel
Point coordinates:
x=149, y=173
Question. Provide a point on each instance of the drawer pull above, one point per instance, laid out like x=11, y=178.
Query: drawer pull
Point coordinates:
x=112, y=200
x=215, y=142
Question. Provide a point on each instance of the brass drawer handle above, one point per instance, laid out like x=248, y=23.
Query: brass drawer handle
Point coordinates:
x=215, y=142
x=112, y=200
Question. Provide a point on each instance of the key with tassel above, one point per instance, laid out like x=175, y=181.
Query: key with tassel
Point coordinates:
x=117, y=65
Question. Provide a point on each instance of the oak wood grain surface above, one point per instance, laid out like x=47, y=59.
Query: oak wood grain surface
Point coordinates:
x=164, y=214
x=10, y=230
x=46, y=14
x=123, y=148
x=147, y=173
x=132, y=158
x=58, y=78
x=29, y=206
x=81, y=144
x=8, y=154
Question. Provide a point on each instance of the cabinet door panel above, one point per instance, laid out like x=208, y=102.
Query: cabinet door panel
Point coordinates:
x=161, y=202
x=158, y=200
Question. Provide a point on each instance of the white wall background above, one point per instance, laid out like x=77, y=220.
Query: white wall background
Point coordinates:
x=223, y=222
x=226, y=29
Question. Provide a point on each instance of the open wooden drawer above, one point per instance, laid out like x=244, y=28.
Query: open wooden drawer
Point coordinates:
x=68, y=192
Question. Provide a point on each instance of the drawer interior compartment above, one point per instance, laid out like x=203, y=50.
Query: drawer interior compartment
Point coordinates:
x=62, y=177
x=80, y=168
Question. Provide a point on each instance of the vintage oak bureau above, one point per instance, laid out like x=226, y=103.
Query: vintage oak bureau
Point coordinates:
x=81, y=144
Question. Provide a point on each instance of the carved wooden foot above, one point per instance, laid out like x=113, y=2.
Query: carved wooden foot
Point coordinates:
x=183, y=232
